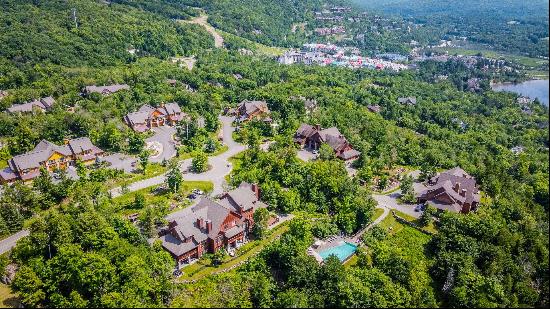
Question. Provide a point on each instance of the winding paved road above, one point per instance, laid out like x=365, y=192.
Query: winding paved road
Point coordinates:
x=10, y=242
x=220, y=166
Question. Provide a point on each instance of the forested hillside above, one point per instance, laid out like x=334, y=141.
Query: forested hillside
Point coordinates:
x=45, y=31
x=515, y=26
x=84, y=252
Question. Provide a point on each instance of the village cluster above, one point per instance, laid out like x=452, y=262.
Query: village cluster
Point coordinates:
x=224, y=223
x=330, y=54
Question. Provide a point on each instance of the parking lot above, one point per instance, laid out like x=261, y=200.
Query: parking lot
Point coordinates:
x=306, y=155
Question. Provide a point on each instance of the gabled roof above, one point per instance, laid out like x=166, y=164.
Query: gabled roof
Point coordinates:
x=45, y=149
x=250, y=107
x=106, y=89
x=210, y=210
x=305, y=130
x=47, y=101
x=407, y=100
x=350, y=154
x=27, y=107
x=243, y=197
x=137, y=118
x=82, y=144
x=447, y=182
x=175, y=246
x=146, y=108
x=172, y=108
x=145, y=112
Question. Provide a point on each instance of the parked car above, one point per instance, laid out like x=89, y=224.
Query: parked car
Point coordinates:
x=192, y=196
x=315, y=152
x=177, y=273
x=198, y=192
x=418, y=208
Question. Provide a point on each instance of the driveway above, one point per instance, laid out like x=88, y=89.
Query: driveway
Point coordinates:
x=220, y=166
x=121, y=162
x=306, y=155
x=163, y=138
x=10, y=242
x=390, y=202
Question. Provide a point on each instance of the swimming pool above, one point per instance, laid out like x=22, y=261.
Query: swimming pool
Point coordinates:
x=342, y=251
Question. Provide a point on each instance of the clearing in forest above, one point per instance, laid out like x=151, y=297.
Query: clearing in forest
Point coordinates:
x=203, y=21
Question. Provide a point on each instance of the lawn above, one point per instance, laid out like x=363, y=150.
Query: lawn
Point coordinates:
x=153, y=170
x=391, y=225
x=152, y=198
x=203, y=267
x=377, y=213
x=236, y=162
x=8, y=299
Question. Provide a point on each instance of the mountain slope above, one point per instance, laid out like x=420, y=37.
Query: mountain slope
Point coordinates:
x=46, y=32
x=515, y=26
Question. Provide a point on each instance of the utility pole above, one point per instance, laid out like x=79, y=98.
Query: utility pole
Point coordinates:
x=74, y=18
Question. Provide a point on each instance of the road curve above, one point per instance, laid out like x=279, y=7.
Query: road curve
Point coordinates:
x=220, y=166
x=10, y=242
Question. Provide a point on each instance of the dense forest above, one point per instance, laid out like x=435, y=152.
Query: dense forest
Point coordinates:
x=83, y=252
x=513, y=26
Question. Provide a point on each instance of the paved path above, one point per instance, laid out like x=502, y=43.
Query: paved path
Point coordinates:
x=282, y=219
x=203, y=21
x=220, y=166
x=163, y=136
x=10, y=242
x=359, y=234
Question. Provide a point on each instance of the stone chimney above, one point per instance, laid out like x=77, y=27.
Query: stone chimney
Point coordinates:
x=466, y=208
x=457, y=187
x=317, y=127
x=256, y=190
x=463, y=192
x=200, y=223
x=208, y=226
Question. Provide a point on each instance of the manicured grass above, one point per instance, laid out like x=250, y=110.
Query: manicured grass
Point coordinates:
x=153, y=170
x=8, y=299
x=203, y=268
x=189, y=155
x=393, y=227
x=351, y=261
x=377, y=213
x=236, y=162
x=165, y=197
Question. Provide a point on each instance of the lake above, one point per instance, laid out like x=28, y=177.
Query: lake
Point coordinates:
x=531, y=88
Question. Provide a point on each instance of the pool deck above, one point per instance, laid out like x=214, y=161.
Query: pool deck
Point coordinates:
x=332, y=242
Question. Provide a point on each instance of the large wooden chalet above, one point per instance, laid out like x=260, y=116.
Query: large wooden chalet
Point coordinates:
x=313, y=137
x=50, y=156
x=250, y=110
x=41, y=105
x=148, y=117
x=453, y=190
x=211, y=225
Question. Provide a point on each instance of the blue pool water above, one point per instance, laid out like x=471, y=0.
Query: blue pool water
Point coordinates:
x=342, y=251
